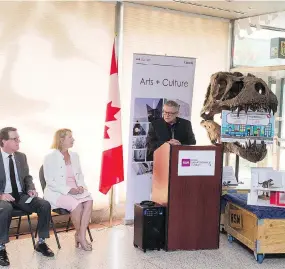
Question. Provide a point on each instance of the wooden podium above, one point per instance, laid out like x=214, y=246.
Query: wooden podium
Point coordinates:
x=192, y=201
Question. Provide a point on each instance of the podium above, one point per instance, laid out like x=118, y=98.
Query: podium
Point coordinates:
x=187, y=181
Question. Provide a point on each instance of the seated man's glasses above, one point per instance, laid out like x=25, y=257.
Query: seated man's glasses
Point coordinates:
x=16, y=139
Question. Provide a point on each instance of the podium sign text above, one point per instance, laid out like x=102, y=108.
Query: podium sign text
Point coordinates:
x=196, y=163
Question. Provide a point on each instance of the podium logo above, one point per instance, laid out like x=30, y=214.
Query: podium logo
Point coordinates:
x=185, y=162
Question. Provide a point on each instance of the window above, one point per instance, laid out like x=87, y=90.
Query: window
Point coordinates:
x=54, y=61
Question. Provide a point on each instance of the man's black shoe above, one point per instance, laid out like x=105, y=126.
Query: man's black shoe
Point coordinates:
x=4, y=260
x=44, y=249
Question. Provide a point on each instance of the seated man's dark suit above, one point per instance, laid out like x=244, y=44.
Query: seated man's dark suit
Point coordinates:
x=37, y=205
x=161, y=132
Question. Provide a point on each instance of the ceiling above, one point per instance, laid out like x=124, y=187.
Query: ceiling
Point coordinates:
x=227, y=9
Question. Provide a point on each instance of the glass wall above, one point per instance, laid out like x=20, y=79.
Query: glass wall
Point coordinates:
x=254, y=52
x=253, y=37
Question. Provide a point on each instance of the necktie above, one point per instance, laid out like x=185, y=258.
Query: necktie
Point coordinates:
x=172, y=131
x=15, y=192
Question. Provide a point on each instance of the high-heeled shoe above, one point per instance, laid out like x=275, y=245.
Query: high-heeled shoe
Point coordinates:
x=84, y=245
x=89, y=243
x=77, y=243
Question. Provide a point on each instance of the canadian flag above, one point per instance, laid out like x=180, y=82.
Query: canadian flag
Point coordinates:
x=112, y=167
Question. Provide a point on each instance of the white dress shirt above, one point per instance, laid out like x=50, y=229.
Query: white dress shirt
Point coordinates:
x=8, y=187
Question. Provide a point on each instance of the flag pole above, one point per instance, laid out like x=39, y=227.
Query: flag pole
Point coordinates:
x=117, y=26
x=111, y=207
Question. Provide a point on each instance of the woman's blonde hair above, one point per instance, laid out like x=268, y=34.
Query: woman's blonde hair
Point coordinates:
x=59, y=134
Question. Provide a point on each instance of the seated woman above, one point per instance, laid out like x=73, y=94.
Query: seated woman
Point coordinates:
x=65, y=187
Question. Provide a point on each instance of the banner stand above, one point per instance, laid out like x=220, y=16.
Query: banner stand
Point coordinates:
x=155, y=79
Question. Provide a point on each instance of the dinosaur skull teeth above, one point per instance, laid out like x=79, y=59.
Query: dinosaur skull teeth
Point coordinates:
x=254, y=108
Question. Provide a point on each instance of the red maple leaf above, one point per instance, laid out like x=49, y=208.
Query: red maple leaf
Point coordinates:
x=111, y=112
x=106, y=135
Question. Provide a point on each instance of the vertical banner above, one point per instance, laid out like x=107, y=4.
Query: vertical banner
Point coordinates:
x=155, y=80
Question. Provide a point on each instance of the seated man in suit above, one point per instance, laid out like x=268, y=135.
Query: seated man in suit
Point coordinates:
x=16, y=186
x=170, y=128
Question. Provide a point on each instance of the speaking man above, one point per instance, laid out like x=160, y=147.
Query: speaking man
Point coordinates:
x=171, y=129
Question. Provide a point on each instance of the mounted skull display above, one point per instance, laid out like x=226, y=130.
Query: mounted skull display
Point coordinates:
x=236, y=92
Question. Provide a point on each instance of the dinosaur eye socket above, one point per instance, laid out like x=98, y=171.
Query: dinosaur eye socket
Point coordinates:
x=259, y=87
x=235, y=90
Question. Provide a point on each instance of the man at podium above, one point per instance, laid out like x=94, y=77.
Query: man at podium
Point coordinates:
x=170, y=128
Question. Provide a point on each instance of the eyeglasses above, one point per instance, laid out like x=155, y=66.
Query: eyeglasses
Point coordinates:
x=16, y=139
x=169, y=113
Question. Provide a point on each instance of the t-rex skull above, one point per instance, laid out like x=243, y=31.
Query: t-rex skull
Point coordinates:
x=233, y=91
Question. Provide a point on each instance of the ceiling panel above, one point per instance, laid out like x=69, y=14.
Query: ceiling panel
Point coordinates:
x=223, y=9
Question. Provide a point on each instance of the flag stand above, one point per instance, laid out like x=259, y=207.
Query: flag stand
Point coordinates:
x=111, y=207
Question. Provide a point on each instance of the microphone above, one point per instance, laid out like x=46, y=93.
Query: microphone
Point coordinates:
x=173, y=127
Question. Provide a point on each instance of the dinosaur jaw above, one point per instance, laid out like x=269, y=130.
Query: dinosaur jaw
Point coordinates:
x=250, y=151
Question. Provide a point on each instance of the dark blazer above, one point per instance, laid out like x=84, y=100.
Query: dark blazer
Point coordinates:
x=26, y=180
x=159, y=133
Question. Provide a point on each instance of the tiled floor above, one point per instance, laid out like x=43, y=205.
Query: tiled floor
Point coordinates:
x=113, y=249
